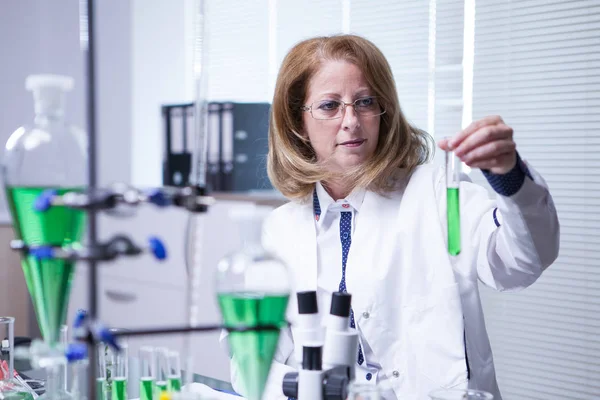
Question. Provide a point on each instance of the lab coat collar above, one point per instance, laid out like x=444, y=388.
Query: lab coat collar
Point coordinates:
x=354, y=199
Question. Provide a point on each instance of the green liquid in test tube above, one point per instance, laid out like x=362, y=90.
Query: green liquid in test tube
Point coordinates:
x=453, y=203
x=162, y=370
x=174, y=376
x=147, y=373
x=119, y=388
x=101, y=381
x=120, y=370
x=101, y=388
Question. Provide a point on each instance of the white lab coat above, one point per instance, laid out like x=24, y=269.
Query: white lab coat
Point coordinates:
x=410, y=297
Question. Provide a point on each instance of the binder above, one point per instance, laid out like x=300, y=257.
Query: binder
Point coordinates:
x=237, y=145
x=213, y=153
x=177, y=156
x=244, y=146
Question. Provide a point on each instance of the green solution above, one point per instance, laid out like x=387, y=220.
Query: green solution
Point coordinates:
x=161, y=386
x=174, y=383
x=146, y=388
x=101, y=388
x=119, y=388
x=453, y=209
x=13, y=395
x=253, y=351
x=48, y=281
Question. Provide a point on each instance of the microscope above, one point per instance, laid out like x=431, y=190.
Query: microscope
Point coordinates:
x=327, y=366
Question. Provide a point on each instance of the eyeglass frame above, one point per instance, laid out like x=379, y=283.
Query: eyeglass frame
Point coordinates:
x=343, y=105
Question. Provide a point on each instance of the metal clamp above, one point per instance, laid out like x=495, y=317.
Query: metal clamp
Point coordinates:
x=119, y=245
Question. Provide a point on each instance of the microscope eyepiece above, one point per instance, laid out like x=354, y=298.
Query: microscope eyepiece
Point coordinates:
x=340, y=304
x=307, y=302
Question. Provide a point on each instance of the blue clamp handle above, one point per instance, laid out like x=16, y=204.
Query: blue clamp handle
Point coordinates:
x=80, y=318
x=76, y=352
x=42, y=252
x=107, y=337
x=158, y=198
x=157, y=248
x=44, y=200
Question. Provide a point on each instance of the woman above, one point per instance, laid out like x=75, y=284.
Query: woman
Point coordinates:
x=369, y=216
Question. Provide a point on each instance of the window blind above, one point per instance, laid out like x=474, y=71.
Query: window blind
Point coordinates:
x=238, y=51
x=537, y=64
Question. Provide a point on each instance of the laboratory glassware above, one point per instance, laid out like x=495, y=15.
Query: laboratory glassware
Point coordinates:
x=162, y=370
x=102, y=371
x=119, y=373
x=460, y=394
x=174, y=377
x=49, y=154
x=253, y=290
x=147, y=373
x=453, y=202
x=10, y=387
x=363, y=391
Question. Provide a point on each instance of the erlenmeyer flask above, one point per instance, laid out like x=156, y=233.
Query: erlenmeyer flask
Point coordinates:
x=253, y=290
x=10, y=388
x=460, y=394
x=49, y=154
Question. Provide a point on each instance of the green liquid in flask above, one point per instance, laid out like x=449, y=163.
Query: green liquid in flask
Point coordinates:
x=174, y=384
x=119, y=388
x=253, y=351
x=453, y=209
x=101, y=388
x=48, y=281
x=146, y=388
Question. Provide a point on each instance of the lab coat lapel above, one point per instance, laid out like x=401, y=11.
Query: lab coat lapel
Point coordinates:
x=305, y=249
x=367, y=236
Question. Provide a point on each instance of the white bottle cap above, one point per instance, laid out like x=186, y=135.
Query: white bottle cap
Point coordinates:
x=5, y=344
x=49, y=92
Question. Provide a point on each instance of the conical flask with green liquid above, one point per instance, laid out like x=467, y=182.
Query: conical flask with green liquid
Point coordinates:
x=47, y=154
x=253, y=290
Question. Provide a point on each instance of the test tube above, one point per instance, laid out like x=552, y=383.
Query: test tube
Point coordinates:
x=64, y=340
x=174, y=372
x=120, y=369
x=162, y=369
x=452, y=202
x=102, y=368
x=147, y=373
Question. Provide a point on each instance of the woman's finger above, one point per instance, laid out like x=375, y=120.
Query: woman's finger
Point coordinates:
x=473, y=127
x=482, y=136
x=489, y=151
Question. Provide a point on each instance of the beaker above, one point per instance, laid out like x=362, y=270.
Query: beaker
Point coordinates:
x=363, y=391
x=10, y=387
x=460, y=394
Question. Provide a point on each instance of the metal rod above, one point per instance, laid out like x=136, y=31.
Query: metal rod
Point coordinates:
x=190, y=329
x=88, y=46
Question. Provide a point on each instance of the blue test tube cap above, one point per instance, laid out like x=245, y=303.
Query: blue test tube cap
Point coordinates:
x=44, y=200
x=158, y=197
x=157, y=248
x=42, y=252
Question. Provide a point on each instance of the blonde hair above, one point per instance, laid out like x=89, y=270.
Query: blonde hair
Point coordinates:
x=292, y=163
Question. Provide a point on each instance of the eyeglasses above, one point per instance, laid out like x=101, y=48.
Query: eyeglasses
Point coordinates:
x=333, y=109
